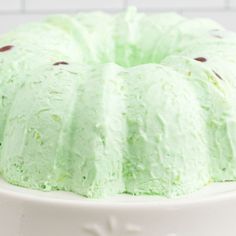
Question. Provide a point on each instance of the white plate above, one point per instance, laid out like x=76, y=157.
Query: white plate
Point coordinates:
x=209, y=212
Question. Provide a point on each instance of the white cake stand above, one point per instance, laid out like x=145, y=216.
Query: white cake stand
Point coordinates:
x=210, y=212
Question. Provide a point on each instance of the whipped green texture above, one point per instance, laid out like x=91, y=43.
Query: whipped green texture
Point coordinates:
x=101, y=104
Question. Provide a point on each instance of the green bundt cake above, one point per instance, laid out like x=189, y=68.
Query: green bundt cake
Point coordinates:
x=101, y=104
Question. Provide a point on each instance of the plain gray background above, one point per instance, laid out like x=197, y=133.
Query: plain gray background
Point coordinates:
x=15, y=12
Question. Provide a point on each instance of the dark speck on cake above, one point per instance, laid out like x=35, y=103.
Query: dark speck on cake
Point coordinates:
x=201, y=59
x=217, y=36
x=3, y=100
x=6, y=48
x=61, y=63
x=217, y=75
x=216, y=33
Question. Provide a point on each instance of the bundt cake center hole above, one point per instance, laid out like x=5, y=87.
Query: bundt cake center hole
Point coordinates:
x=131, y=56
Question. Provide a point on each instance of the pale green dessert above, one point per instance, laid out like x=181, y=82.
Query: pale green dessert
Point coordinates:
x=101, y=104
